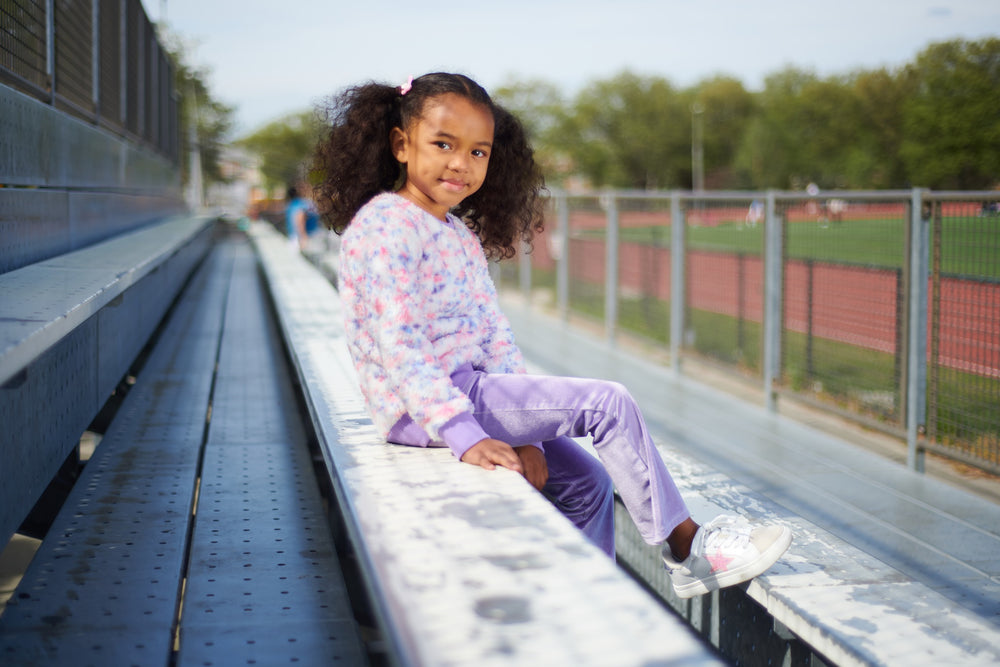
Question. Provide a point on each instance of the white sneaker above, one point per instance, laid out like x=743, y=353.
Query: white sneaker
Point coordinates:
x=726, y=551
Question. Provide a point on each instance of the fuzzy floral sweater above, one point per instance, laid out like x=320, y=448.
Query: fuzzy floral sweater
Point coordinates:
x=419, y=304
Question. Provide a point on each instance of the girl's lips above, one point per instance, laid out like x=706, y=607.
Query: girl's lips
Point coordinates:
x=453, y=185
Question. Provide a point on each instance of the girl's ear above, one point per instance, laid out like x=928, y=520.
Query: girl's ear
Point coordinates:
x=400, y=144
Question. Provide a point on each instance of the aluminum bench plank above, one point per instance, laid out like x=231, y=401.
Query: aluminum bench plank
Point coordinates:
x=466, y=566
x=111, y=567
x=45, y=301
x=83, y=349
x=859, y=589
x=264, y=582
x=269, y=643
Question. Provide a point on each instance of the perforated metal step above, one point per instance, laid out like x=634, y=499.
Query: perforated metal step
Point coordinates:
x=103, y=587
x=263, y=582
x=264, y=585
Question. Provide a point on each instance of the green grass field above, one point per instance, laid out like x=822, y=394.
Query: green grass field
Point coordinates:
x=970, y=246
x=855, y=378
x=852, y=377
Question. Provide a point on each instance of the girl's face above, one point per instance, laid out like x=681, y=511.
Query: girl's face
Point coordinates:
x=446, y=152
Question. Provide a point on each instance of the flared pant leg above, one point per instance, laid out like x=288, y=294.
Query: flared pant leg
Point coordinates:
x=526, y=409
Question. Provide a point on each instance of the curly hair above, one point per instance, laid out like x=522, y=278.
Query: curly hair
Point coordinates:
x=355, y=161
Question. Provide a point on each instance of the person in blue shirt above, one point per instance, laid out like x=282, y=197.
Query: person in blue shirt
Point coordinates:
x=301, y=220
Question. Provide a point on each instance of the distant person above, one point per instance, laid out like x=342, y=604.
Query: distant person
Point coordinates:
x=301, y=220
x=406, y=184
x=836, y=208
x=813, y=208
x=755, y=213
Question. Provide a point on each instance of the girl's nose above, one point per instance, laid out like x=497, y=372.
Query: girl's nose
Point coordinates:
x=458, y=163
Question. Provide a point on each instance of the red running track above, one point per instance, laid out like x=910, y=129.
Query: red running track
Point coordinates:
x=853, y=305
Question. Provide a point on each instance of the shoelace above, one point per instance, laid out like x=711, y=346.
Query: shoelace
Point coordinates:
x=726, y=532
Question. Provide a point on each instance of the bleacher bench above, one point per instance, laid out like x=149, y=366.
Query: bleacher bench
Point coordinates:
x=196, y=533
x=464, y=566
x=70, y=328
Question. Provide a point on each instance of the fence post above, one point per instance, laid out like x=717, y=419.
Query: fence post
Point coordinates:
x=677, y=256
x=562, y=261
x=123, y=71
x=773, y=268
x=899, y=369
x=611, y=263
x=153, y=90
x=916, y=363
x=95, y=58
x=810, y=366
x=741, y=280
x=50, y=48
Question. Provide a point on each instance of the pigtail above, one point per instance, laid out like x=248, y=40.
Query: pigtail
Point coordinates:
x=508, y=206
x=354, y=158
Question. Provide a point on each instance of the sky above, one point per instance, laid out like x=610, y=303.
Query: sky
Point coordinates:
x=269, y=59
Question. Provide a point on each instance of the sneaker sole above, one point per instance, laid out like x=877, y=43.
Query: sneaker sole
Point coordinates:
x=748, y=571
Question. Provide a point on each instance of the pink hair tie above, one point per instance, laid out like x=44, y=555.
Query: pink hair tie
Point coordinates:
x=406, y=87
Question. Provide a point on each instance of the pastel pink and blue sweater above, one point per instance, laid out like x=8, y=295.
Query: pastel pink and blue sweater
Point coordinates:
x=419, y=304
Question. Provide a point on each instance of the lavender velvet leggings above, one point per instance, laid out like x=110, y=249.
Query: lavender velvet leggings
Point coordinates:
x=526, y=409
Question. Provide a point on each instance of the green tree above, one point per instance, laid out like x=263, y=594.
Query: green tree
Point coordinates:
x=932, y=123
x=873, y=159
x=808, y=129
x=770, y=154
x=212, y=119
x=541, y=108
x=951, y=121
x=829, y=121
x=285, y=147
x=728, y=109
x=630, y=132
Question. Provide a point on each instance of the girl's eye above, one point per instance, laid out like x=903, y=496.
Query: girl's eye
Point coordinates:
x=443, y=145
x=479, y=152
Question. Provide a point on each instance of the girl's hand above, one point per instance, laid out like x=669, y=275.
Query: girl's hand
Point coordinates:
x=536, y=471
x=490, y=453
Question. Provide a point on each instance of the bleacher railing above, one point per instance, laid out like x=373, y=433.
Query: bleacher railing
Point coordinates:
x=883, y=307
x=98, y=60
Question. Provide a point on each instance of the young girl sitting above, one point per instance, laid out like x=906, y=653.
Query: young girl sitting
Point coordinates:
x=425, y=181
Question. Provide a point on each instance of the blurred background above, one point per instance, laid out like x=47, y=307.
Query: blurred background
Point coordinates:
x=841, y=108
x=639, y=94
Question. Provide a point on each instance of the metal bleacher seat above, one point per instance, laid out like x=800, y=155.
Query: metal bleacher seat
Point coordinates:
x=201, y=499
x=464, y=566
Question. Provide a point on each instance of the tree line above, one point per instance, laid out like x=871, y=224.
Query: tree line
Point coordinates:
x=934, y=122
x=212, y=119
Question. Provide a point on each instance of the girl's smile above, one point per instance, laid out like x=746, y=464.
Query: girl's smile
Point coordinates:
x=446, y=153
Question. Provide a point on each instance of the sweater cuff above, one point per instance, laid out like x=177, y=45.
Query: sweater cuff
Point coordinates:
x=460, y=433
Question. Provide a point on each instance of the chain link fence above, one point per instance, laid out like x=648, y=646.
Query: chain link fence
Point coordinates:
x=98, y=60
x=844, y=296
x=963, y=406
x=883, y=307
x=724, y=282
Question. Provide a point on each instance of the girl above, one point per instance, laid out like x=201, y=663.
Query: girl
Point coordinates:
x=425, y=181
